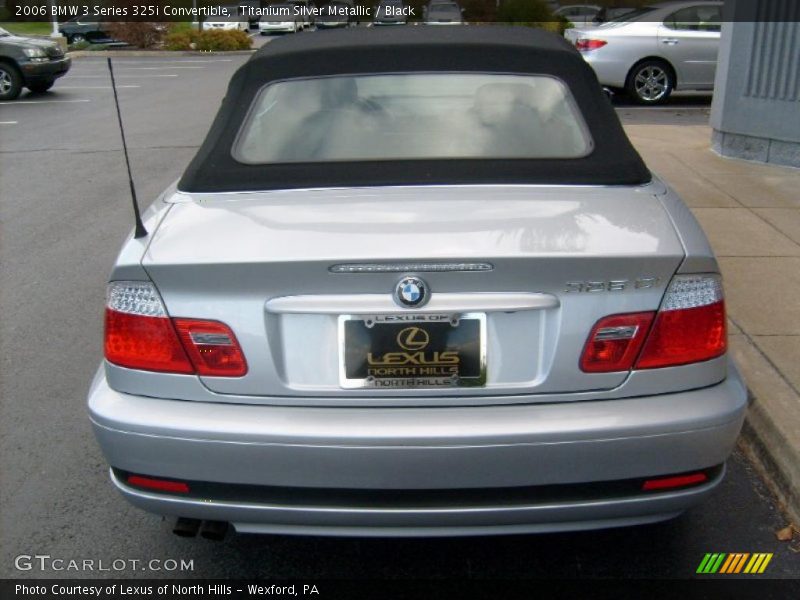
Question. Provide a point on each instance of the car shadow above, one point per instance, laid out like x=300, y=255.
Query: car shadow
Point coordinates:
x=677, y=100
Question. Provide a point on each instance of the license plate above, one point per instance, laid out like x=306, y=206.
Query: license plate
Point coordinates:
x=412, y=351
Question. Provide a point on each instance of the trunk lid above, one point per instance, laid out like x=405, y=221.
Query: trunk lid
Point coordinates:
x=561, y=258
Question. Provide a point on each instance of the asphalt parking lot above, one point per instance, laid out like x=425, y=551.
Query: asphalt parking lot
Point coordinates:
x=65, y=211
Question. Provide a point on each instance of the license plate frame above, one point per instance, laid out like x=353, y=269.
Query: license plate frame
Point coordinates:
x=464, y=347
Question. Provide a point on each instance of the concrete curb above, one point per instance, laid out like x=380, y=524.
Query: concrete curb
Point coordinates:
x=156, y=53
x=771, y=434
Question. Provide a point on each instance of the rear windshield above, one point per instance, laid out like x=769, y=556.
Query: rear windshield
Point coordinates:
x=412, y=116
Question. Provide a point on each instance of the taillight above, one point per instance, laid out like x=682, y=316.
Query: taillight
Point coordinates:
x=690, y=325
x=140, y=335
x=212, y=348
x=586, y=44
x=615, y=341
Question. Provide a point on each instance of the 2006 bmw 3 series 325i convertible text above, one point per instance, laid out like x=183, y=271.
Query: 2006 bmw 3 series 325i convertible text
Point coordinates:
x=416, y=282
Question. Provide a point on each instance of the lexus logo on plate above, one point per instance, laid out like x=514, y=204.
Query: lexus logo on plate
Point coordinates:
x=413, y=339
x=411, y=292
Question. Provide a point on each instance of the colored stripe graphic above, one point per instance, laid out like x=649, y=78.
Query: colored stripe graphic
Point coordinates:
x=764, y=564
x=736, y=562
x=758, y=563
x=711, y=563
x=722, y=563
x=727, y=564
x=703, y=564
x=742, y=560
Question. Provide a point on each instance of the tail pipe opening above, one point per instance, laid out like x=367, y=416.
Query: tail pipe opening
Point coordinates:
x=186, y=527
x=214, y=530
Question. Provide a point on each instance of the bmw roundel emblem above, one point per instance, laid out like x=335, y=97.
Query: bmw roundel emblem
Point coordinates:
x=411, y=292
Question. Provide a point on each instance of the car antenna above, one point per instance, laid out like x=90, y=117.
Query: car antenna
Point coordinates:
x=140, y=231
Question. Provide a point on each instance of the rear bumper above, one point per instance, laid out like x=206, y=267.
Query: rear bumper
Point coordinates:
x=456, y=520
x=611, y=70
x=459, y=448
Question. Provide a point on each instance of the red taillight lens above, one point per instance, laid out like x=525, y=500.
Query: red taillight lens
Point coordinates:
x=685, y=336
x=690, y=326
x=140, y=335
x=586, y=44
x=678, y=481
x=614, y=342
x=212, y=348
x=161, y=485
x=144, y=342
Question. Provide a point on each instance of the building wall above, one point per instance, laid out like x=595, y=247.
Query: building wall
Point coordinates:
x=756, y=108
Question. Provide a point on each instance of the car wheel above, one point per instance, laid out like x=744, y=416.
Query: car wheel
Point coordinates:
x=41, y=86
x=10, y=82
x=650, y=82
x=76, y=38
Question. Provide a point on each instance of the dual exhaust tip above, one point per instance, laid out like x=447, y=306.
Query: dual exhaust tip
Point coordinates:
x=210, y=530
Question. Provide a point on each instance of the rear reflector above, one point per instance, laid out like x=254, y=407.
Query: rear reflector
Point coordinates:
x=690, y=326
x=614, y=342
x=678, y=481
x=140, y=335
x=586, y=44
x=161, y=485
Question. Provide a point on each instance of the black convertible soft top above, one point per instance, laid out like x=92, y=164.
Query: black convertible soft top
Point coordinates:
x=487, y=49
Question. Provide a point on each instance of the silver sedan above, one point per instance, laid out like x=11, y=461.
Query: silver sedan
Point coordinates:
x=653, y=51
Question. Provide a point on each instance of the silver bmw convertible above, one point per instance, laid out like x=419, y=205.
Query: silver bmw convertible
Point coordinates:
x=416, y=282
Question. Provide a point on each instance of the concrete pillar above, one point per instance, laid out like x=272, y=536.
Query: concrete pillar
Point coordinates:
x=756, y=110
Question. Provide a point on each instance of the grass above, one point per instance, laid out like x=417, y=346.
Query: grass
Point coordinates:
x=37, y=28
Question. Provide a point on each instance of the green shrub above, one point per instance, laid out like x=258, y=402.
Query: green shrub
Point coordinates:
x=208, y=40
x=217, y=40
x=136, y=33
x=179, y=40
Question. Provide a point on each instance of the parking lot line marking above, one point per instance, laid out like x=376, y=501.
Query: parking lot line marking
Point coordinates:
x=8, y=122
x=153, y=61
x=18, y=102
x=160, y=62
x=94, y=87
x=119, y=76
x=155, y=68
